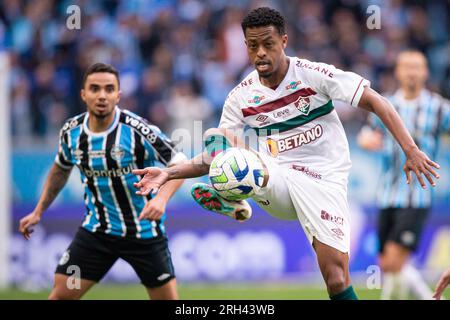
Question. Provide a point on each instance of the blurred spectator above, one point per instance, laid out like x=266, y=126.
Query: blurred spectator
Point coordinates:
x=159, y=44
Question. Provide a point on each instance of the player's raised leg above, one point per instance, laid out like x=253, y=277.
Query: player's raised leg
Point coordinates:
x=69, y=287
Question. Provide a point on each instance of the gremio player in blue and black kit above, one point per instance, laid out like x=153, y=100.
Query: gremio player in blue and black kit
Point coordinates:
x=404, y=208
x=106, y=143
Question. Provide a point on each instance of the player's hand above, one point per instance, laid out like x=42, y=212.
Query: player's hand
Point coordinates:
x=154, y=209
x=420, y=164
x=26, y=224
x=369, y=139
x=443, y=282
x=153, y=179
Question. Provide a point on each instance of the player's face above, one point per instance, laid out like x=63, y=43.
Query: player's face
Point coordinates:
x=411, y=71
x=101, y=94
x=265, y=48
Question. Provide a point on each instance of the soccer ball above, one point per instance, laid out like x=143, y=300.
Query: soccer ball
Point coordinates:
x=236, y=174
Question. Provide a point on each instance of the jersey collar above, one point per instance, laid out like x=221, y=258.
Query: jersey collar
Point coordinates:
x=106, y=132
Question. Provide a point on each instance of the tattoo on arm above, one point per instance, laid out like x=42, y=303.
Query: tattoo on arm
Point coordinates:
x=56, y=180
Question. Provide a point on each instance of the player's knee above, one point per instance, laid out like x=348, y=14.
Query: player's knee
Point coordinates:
x=335, y=279
x=59, y=294
x=55, y=295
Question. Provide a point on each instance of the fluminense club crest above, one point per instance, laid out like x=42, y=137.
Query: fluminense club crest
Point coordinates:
x=302, y=104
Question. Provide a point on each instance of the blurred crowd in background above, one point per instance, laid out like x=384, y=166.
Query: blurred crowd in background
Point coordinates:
x=178, y=59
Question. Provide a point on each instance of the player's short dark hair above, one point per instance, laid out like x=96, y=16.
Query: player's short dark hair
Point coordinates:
x=101, y=67
x=262, y=17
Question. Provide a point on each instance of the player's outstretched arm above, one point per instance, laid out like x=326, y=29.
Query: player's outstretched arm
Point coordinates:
x=154, y=178
x=56, y=180
x=443, y=282
x=416, y=161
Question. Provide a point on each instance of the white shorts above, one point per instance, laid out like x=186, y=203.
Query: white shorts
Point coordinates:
x=321, y=208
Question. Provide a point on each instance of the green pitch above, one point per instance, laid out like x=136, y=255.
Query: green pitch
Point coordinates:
x=205, y=292
x=198, y=292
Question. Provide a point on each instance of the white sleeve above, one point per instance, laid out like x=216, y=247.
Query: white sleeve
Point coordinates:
x=232, y=117
x=340, y=85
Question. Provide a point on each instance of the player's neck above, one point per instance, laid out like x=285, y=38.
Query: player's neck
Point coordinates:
x=411, y=94
x=274, y=80
x=97, y=124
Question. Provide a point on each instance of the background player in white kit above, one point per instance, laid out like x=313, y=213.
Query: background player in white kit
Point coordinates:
x=288, y=102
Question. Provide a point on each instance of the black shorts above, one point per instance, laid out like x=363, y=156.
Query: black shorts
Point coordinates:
x=94, y=254
x=401, y=225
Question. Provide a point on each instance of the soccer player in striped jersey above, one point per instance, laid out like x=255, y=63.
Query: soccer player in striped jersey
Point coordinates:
x=302, y=144
x=106, y=143
x=404, y=207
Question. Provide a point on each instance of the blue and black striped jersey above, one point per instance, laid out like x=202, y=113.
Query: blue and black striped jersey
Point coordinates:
x=105, y=161
x=426, y=119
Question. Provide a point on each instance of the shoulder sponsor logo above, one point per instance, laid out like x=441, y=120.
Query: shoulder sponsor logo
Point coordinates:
x=275, y=147
x=293, y=85
x=256, y=100
x=142, y=127
x=315, y=67
x=302, y=104
x=70, y=125
x=245, y=83
x=117, y=153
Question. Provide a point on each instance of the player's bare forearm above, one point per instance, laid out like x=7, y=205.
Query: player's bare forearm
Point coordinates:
x=56, y=180
x=194, y=168
x=374, y=102
x=167, y=190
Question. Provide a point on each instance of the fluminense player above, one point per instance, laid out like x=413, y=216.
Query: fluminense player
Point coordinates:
x=288, y=101
x=405, y=208
x=106, y=143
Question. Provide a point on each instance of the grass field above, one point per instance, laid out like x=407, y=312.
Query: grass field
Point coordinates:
x=203, y=292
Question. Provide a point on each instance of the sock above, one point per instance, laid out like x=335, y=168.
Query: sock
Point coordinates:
x=394, y=287
x=215, y=144
x=388, y=285
x=404, y=287
x=347, y=294
x=416, y=283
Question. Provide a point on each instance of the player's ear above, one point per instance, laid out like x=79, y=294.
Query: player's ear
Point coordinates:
x=119, y=95
x=284, y=40
x=83, y=95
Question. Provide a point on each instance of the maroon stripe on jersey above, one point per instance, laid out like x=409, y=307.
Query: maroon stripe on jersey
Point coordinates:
x=351, y=102
x=279, y=103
